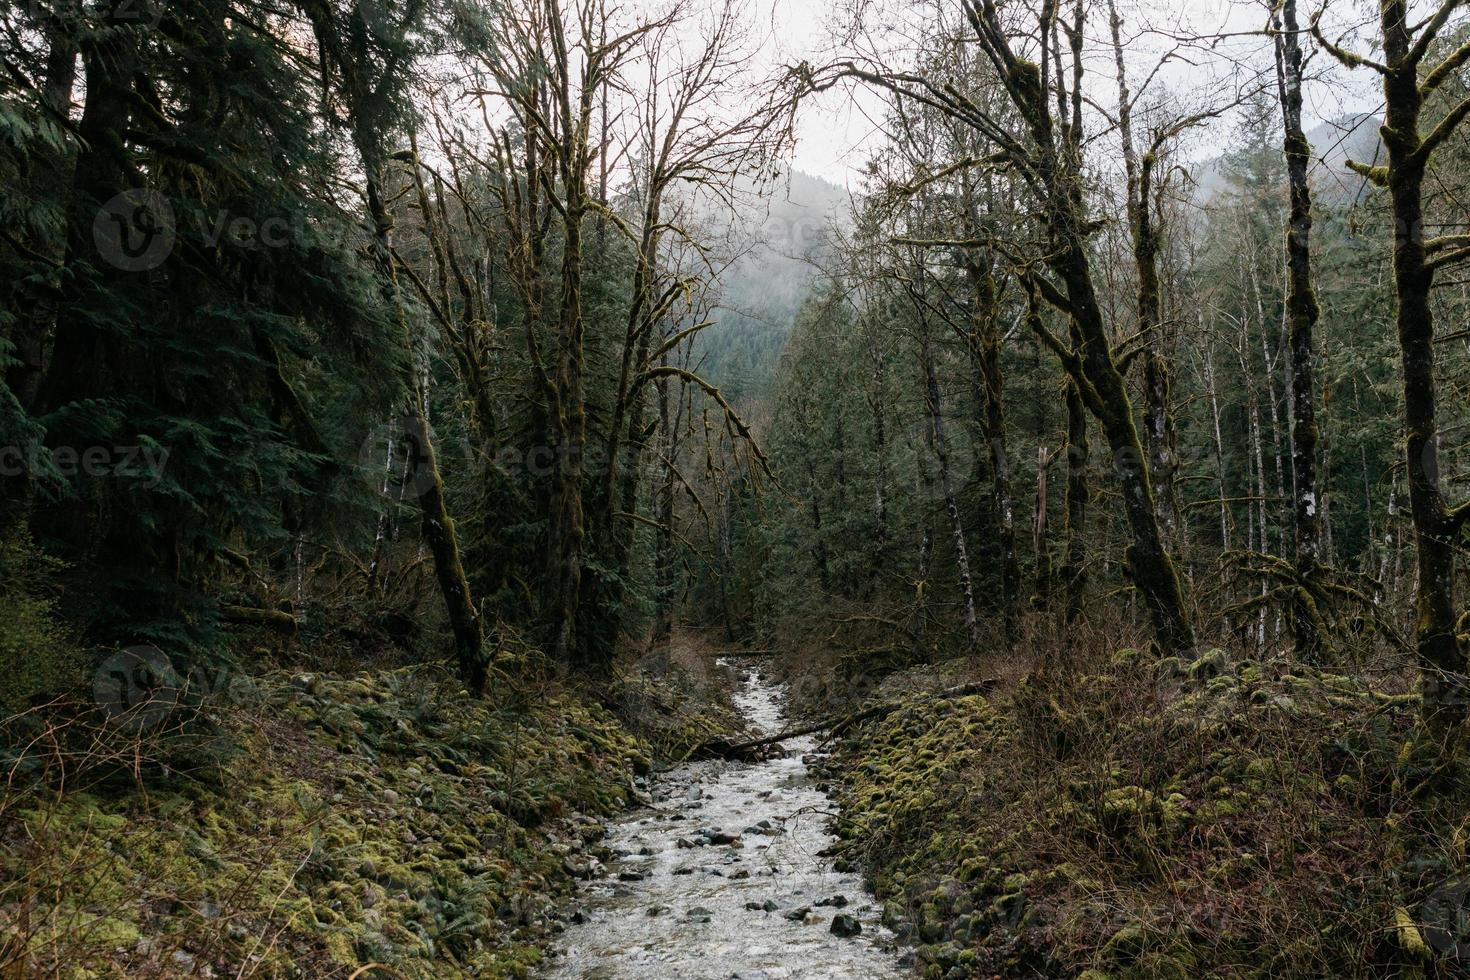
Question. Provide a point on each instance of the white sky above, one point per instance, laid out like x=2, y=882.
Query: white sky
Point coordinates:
x=835, y=132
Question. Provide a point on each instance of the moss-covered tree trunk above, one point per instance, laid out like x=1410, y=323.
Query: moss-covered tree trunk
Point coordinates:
x=985, y=349
x=1158, y=424
x=436, y=526
x=567, y=529
x=1442, y=658
x=1052, y=119
x=1301, y=317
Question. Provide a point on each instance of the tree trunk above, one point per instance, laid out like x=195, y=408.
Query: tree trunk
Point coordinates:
x=1213, y=392
x=1268, y=374
x=1146, y=559
x=1301, y=317
x=880, y=449
x=1157, y=423
x=1259, y=525
x=438, y=531
x=663, y=548
x=921, y=582
x=567, y=529
x=1441, y=652
x=1038, y=534
x=436, y=525
x=985, y=349
x=946, y=485
x=1077, y=500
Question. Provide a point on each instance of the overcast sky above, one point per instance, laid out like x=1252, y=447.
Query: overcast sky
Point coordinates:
x=836, y=133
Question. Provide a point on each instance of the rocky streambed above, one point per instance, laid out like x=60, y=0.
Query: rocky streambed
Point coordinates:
x=721, y=877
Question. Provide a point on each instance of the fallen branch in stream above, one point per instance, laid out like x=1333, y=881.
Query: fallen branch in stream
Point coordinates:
x=723, y=749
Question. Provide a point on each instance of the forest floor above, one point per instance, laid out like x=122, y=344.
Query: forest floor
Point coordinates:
x=311, y=824
x=1119, y=820
x=1132, y=821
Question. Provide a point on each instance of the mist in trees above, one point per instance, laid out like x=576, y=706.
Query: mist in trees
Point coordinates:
x=508, y=323
x=1060, y=304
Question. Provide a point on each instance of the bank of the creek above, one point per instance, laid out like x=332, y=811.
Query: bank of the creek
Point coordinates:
x=721, y=878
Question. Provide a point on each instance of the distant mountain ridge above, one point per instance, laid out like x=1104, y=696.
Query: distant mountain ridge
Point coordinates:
x=1352, y=137
x=761, y=292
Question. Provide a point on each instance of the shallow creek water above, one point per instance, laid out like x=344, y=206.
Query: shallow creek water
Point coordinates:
x=671, y=910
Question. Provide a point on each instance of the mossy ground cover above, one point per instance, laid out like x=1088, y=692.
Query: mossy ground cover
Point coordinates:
x=307, y=826
x=1233, y=819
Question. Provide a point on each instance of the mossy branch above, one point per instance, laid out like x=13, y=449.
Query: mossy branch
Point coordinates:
x=1378, y=176
x=731, y=416
x=1349, y=59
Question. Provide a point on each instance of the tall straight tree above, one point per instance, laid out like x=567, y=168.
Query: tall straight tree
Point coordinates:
x=1301, y=318
x=1410, y=78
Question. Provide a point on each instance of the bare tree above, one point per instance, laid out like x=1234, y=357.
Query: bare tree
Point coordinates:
x=1410, y=78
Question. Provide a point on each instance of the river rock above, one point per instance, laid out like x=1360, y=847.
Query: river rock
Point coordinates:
x=845, y=926
x=835, y=902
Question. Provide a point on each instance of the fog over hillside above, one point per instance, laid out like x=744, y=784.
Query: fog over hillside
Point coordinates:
x=1352, y=137
x=760, y=292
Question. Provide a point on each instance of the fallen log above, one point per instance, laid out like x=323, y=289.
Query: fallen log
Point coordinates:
x=274, y=619
x=722, y=749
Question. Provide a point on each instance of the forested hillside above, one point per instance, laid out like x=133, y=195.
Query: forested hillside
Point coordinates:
x=788, y=237
x=470, y=506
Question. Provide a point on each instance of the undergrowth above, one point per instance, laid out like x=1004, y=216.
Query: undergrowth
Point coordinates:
x=307, y=825
x=1129, y=820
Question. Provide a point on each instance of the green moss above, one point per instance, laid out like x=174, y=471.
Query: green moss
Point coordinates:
x=382, y=817
x=1211, y=663
x=1231, y=838
x=1406, y=934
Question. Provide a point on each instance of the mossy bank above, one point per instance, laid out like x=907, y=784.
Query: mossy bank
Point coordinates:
x=308, y=825
x=1141, y=821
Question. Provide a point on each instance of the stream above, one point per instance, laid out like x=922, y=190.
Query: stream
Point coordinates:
x=719, y=878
